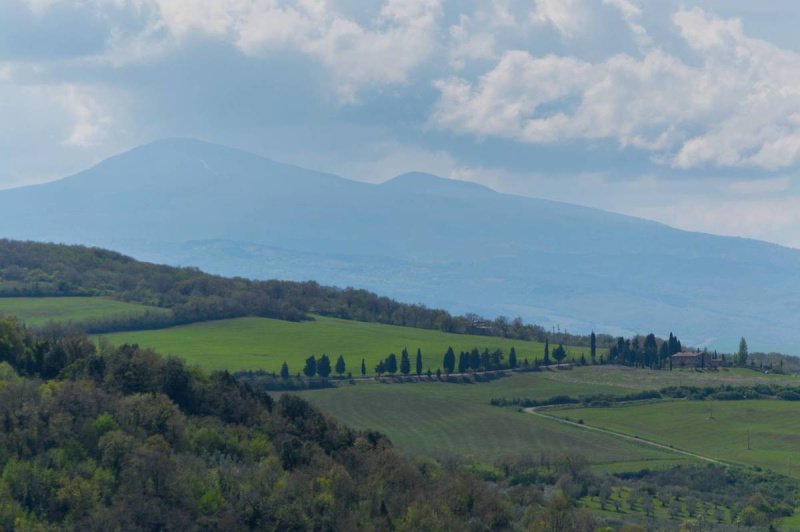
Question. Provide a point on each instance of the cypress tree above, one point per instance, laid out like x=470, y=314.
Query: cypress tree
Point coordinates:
x=512, y=358
x=463, y=360
x=485, y=359
x=284, y=371
x=363, y=367
x=593, y=347
x=324, y=366
x=419, y=361
x=475, y=359
x=449, y=361
x=340, y=367
x=310, y=369
x=559, y=353
x=546, y=352
x=391, y=363
x=405, y=362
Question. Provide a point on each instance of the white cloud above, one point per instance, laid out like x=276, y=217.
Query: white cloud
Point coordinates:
x=91, y=117
x=468, y=43
x=743, y=99
x=381, y=53
x=567, y=16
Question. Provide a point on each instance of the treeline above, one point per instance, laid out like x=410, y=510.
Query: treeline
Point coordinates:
x=692, y=393
x=34, y=269
x=122, y=439
x=644, y=351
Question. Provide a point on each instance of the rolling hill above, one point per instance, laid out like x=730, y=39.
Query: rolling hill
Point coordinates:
x=419, y=238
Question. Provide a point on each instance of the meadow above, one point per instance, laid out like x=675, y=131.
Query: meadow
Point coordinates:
x=38, y=311
x=762, y=433
x=447, y=420
x=262, y=343
x=438, y=418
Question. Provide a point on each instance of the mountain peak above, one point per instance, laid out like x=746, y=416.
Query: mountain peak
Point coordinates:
x=428, y=183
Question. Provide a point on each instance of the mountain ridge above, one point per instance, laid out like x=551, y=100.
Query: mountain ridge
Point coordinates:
x=418, y=237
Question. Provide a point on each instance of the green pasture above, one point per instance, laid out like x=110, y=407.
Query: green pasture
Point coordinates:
x=37, y=311
x=456, y=420
x=762, y=433
x=261, y=343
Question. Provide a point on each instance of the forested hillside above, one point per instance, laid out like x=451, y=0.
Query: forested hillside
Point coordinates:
x=36, y=269
x=123, y=439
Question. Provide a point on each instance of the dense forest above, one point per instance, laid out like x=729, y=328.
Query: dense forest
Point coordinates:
x=36, y=269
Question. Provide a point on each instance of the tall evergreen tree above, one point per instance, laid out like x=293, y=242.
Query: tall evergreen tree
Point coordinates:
x=593, y=347
x=512, y=358
x=363, y=367
x=463, y=362
x=497, y=358
x=340, y=366
x=419, y=362
x=475, y=359
x=310, y=369
x=559, y=353
x=449, y=361
x=485, y=359
x=405, y=362
x=650, y=350
x=663, y=353
x=284, y=371
x=742, y=354
x=324, y=366
x=391, y=363
x=546, y=352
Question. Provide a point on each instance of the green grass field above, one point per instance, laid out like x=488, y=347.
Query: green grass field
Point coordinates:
x=772, y=427
x=37, y=311
x=261, y=343
x=435, y=419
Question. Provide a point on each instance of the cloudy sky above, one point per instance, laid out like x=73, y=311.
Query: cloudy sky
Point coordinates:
x=682, y=111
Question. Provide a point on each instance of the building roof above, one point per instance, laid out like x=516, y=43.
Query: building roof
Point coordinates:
x=687, y=354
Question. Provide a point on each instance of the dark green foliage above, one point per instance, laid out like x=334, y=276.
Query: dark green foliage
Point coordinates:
x=284, y=371
x=463, y=362
x=310, y=369
x=449, y=361
x=405, y=362
x=126, y=440
x=559, y=353
x=340, y=365
x=363, y=367
x=324, y=366
x=512, y=358
x=546, y=360
x=35, y=269
x=391, y=364
x=419, y=362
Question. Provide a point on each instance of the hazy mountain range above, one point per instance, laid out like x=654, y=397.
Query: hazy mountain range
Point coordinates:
x=420, y=238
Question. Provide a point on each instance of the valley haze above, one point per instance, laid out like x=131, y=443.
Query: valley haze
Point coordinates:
x=420, y=238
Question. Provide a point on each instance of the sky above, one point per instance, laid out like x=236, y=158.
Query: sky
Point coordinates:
x=686, y=112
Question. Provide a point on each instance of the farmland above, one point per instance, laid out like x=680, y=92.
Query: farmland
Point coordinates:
x=720, y=429
x=38, y=311
x=434, y=419
x=262, y=343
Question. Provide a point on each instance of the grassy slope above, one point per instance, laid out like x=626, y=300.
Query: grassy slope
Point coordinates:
x=774, y=428
x=441, y=418
x=261, y=343
x=36, y=311
x=454, y=419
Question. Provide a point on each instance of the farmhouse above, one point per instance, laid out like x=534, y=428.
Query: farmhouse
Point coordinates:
x=688, y=359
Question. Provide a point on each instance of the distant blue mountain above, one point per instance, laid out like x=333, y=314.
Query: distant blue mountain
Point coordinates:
x=420, y=238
